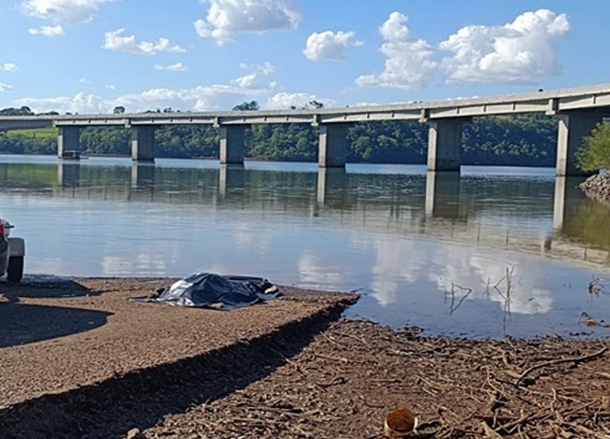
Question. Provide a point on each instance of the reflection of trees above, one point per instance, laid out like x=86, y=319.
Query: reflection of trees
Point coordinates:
x=590, y=224
x=26, y=175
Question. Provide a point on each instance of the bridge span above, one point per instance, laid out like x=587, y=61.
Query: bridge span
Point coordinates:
x=579, y=110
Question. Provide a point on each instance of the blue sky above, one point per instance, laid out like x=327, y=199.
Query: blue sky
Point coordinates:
x=89, y=56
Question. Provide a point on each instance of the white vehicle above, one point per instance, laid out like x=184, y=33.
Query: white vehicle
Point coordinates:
x=12, y=252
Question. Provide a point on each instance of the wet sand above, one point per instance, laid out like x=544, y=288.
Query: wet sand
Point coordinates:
x=78, y=360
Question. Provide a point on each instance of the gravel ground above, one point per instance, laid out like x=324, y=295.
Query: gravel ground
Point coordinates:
x=71, y=349
x=95, y=366
x=349, y=377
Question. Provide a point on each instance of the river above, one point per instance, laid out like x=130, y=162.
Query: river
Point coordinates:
x=488, y=253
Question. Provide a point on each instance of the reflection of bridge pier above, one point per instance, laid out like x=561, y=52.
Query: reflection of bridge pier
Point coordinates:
x=331, y=181
x=68, y=174
x=231, y=177
x=568, y=199
x=142, y=174
x=442, y=194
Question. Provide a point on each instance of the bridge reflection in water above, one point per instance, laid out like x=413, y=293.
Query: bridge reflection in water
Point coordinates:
x=446, y=205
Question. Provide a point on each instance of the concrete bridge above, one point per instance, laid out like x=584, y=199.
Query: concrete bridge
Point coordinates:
x=579, y=110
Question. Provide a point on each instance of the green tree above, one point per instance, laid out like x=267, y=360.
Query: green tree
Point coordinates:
x=595, y=152
x=247, y=106
x=23, y=111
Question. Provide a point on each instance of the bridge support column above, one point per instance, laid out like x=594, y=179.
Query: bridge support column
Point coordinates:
x=143, y=143
x=573, y=127
x=232, y=144
x=445, y=145
x=68, y=140
x=332, y=145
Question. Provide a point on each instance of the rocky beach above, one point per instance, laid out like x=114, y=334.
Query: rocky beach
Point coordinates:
x=598, y=186
x=80, y=360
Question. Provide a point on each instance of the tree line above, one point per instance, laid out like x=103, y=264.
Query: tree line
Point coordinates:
x=515, y=140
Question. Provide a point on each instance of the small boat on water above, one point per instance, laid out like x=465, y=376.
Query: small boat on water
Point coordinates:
x=72, y=154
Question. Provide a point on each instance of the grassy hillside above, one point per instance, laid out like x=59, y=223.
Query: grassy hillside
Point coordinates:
x=39, y=133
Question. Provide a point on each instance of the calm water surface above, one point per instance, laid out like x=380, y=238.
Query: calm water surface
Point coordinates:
x=496, y=251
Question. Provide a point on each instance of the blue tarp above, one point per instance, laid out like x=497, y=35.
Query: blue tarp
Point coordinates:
x=210, y=290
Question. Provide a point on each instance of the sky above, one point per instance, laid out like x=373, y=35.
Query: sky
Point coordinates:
x=90, y=56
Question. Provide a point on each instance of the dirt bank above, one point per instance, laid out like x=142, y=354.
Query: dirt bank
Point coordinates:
x=77, y=359
x=598, y=186
x=280, y=370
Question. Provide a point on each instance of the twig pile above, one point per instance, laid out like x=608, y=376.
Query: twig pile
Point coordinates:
x=343, y=384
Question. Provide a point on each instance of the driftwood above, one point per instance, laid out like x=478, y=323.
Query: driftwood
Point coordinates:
x=351, y=376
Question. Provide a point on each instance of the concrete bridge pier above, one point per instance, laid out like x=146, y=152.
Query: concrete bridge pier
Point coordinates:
x=445, y=145
x=68, y=140
x=233, y=144
x=573, y=128
x=143, y=143
x=332, y=145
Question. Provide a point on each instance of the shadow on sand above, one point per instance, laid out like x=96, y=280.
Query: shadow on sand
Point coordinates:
x=108, y=410
x=22, y=323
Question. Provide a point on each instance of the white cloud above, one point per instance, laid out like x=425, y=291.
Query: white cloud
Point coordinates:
x=48, y=31
x=64, y=11
x=5, y=87
x=329, y=45
x=251, y=79
x=202, y=98
x=79, y=103
x=110, y=87
x=409, y=61
x=284, y=100
x=84, y=81
x=227, y=17
x=115, y=41
x=9, y=67
x=521, y=51
x=246, y=81
x=177, y=67
x=265, y=69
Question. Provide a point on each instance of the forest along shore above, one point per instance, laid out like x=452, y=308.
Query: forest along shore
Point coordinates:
x=598, y=186
x=289, y=368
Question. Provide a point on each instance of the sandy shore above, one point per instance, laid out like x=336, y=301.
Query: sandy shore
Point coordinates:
x=78, y=360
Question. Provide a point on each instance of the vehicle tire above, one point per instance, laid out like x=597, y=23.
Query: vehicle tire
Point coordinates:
x=14, y=271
